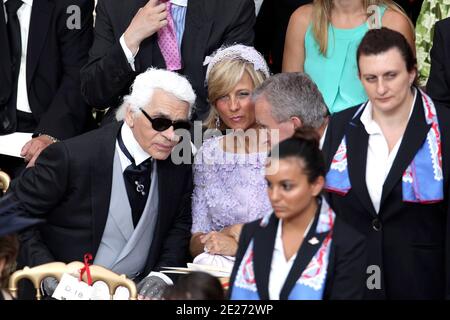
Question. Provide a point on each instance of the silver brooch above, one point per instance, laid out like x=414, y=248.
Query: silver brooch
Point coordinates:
x=313, y=241
x=139, y=188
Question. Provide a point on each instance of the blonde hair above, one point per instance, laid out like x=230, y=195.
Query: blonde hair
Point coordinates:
x=321, y=17
x=224, y=76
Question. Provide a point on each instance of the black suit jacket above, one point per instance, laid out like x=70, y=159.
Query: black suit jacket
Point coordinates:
x=438, y=85
x=70, y=186
x=209, y=24
x=55, y=56
x=270, y=29
x=408, y=241
x=345, y=271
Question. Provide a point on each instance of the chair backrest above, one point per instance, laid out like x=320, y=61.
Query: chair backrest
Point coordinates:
x=4, y=181
x=57, y=269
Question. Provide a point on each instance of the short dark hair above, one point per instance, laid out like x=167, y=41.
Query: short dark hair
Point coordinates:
x=378, y=41
x=195, y=286
x=304, y=145
x=9, y=247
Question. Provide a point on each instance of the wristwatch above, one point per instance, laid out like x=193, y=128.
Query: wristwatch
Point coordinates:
x=35, y=135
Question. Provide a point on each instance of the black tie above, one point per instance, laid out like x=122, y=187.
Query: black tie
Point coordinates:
x=137, y=182
x=15, y=45
x=13, y=26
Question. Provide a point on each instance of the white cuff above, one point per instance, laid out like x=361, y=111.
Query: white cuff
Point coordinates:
x=127, y=51
x=162, y=276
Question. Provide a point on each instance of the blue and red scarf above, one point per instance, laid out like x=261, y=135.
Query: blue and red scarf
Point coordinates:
x=422, y=181
x=311, y=283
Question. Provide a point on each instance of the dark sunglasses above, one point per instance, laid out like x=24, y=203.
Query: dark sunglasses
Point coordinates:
x=162, y=124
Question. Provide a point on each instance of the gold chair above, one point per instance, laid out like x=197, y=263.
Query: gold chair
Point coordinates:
x=57, y=269
x=4, y=181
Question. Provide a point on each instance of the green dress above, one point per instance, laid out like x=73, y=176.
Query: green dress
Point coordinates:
x=336, y=73
x=431, y=12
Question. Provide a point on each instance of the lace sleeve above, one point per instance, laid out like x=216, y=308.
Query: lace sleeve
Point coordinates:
x=201, y=222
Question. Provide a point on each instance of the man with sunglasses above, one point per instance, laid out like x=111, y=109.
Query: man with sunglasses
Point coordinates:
x=116, y=192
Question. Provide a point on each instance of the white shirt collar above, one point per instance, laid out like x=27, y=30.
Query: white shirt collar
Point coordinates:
x=27, y=2
x=370, y=125
x=322, y=138
x=139, y=155
x=279, y=241
x=366, y=118
x=181, y=3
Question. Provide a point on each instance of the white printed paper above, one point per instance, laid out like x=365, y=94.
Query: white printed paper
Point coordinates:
x=12, y=144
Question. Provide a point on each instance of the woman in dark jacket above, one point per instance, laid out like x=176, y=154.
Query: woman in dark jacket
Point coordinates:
x=388, y=173
x=301, y=251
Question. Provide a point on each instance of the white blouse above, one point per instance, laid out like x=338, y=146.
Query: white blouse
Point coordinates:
x=280, y=268
x=379, y=160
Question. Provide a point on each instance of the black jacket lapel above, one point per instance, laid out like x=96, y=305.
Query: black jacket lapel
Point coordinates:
x=264, y=240
x=303, y=258
x=148, y=55
x=41, y=14
x=165, y=189
x=413, y=138
x=357, y=143
x=101, y=179
x=197, y=30
x=5, y=60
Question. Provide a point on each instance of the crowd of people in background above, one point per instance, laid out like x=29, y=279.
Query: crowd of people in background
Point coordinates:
x=300, y=145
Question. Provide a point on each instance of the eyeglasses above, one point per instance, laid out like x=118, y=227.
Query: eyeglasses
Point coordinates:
x=162, y=124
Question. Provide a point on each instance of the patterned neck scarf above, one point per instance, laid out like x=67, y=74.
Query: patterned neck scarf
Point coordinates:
x=311, y=283
x=422, y=181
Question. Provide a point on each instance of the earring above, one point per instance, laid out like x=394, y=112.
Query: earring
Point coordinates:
x=218, y=123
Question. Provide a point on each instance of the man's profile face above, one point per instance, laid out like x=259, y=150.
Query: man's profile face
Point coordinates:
x=265, y=119
x=158, y=144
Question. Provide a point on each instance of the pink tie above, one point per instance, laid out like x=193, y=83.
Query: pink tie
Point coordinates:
x=167, y=41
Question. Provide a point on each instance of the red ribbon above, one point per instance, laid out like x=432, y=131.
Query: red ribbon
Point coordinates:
x=87, y=258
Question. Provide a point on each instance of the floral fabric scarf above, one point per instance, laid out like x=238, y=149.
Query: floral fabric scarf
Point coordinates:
x=422, y=181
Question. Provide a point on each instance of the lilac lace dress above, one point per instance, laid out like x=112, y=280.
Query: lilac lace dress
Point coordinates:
x=229, y=188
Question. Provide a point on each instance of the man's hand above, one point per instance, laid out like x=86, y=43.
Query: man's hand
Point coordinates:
x=151, y=288
x=33, y=148
x=219, y=243
x=148, y=20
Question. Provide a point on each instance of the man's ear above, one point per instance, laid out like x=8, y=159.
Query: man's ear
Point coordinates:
x=297, y=122
x=129, y=117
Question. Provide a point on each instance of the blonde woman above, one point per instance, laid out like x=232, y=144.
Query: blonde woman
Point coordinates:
x=229, y=186
x=322, y=39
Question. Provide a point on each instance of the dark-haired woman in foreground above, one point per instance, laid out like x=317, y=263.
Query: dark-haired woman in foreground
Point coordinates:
x=301, y=251
x=389, y=173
